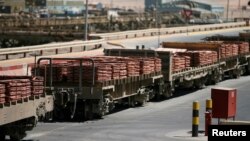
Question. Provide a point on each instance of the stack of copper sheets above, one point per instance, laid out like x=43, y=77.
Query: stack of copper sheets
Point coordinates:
x=2, y=93
x=235, y=49
x=228, y=50
x=105, y=68
x=243, y=47
x=16, y=89
x=183, y=60
x=123, y=70
x=147, y=65
x=37, y=86
x=133, y=67
x=116, y=70
x=188, y=57
x=102, y=72
x=204, y=58
x=179, y=63
x=158, y=64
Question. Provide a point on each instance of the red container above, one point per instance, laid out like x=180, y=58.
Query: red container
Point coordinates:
x=224, y=102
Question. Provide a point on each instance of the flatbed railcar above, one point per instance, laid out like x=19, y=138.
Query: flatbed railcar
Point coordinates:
x=20, y=115
x=196, y=77
x=95, y=99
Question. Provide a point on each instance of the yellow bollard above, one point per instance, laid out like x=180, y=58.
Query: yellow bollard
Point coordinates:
x=209, y=105
x=195, y=126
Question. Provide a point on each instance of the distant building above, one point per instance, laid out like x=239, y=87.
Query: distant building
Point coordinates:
x=63, y=7
x=21, y=5
x=219, y=10
x=177, y=6
x=14, y=5
x=151, y=4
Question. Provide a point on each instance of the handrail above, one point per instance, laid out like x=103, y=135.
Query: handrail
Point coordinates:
x=113, y=36
x=155, y=31
x=52, y=45
x=53, y=49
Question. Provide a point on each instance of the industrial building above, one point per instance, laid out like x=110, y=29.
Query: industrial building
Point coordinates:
x=198, y=9
x=34, y=5
x=48, y=7
x=11, y=6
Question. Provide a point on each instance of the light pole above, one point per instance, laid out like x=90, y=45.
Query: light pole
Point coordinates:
x=227, y=9
x=239, y=5
x=157, y=22
x=86, y=21
x=240, y=9
x=156, y=15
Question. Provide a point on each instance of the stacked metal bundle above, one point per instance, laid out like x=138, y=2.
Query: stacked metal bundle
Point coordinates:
x=103, y=72
x=37, y=84
x=223, y=52
x=235, y=49
x=228, y=50
x=158, y=64
x=204, y=58
x=24, y=87
x=213, y=56
x=16, y=89
x=115, y=70
x=187, y=61
x=10, y=95
x=119, y=70
x=243, y=47
x=179, y=63
x=2, y=93
x=133, y=67
x=147, y=65
x=194, y=59
x=106, y=68
x=123, y=70
x=118, y=64
x=200, y=58
x=188, y=55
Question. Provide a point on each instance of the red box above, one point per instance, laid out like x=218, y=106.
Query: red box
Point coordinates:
x=224, y=102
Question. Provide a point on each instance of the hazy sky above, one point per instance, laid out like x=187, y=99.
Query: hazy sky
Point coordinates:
x=140, y=3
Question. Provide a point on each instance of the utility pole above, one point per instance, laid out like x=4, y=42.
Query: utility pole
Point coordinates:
x=86, y=21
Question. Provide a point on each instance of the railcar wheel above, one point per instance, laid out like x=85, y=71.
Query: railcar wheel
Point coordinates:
x=131, y=102
x=237, y=72
x=2, y=135
x=144, y=102
x=168, y=92
x=88, y=113
x=17, y=136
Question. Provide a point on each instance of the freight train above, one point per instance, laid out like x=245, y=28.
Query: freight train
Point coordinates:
x=91, y=87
